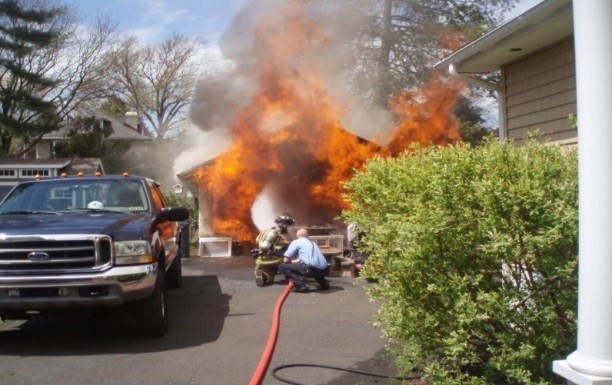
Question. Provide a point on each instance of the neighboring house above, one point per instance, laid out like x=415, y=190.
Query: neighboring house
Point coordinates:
x=534, y=53
x=13, y=171
x=41, y=161
x=127, y=128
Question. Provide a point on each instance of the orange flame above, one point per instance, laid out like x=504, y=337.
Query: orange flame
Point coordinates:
x=311, y=155
x=424, y=116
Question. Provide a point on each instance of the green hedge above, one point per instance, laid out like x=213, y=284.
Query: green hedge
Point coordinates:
x=474, y=251
x=189, y=204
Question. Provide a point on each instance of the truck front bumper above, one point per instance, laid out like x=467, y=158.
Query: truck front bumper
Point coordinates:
x=116, y=286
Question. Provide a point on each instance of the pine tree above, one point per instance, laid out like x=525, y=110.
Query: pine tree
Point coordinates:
x=24, y=113
x=399, y=41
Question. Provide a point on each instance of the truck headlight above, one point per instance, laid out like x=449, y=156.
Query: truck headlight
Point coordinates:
x=132, y=252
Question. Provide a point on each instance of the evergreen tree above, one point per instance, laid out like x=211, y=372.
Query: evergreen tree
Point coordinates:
x=403, y=39
x=399, y=41
x=24, y=113
x=472, y=125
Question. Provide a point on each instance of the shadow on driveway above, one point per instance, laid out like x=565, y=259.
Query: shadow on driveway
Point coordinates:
x=197, y=312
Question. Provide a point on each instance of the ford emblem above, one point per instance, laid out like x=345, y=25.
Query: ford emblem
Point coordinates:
x=38, y=256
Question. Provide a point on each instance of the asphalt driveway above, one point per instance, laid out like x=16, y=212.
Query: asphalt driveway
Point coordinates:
x=219, y=326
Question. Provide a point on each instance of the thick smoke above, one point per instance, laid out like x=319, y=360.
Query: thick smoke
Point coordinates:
x=283, y=126
x=219, y=99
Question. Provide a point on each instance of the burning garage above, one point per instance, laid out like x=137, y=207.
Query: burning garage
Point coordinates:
x=291, y=136
x=275, y=174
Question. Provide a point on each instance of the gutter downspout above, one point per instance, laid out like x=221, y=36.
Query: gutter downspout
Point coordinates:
x=501, y=110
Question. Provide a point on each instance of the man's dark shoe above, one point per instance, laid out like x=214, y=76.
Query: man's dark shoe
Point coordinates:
x=324, y=286
x=301, y=289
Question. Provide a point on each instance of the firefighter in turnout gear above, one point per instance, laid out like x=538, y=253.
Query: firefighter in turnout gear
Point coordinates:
x=274, y=240
x=271, y=244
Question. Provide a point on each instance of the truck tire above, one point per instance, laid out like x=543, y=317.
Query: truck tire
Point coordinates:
x=174, y=278
x=150, y=313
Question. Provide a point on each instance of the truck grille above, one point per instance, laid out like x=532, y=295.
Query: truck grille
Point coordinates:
x=55, y=254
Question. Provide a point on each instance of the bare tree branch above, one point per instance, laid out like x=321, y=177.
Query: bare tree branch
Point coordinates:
x=158, y=81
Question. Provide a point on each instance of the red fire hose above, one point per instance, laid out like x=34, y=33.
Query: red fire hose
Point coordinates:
x=264, y=362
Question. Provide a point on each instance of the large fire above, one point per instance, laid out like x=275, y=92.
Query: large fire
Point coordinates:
x=291, y=136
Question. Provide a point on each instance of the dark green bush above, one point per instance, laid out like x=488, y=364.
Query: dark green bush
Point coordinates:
x=189, y=204
x=474, y=251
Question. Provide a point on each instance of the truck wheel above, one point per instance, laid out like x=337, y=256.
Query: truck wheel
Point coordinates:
x=151, y=316
x=174, y=280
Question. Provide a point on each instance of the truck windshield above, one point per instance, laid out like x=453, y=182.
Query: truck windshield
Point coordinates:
x=64, y=195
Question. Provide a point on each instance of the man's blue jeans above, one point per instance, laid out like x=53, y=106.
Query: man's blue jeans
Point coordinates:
x=295, y=272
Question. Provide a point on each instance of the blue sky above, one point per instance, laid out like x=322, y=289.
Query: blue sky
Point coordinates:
x=151, y=20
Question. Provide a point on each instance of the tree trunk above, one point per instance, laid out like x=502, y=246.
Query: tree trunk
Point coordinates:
x=384, y=59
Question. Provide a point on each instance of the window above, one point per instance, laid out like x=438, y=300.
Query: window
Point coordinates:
x=34, y=172
x=7, y=173
x=63, y=192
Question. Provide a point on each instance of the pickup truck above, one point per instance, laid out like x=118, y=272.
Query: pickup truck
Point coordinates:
x=90, y=242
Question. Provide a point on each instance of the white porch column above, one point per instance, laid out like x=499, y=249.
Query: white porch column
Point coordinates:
x=591, y=363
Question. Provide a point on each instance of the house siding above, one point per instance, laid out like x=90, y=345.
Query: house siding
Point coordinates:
x=541, y=93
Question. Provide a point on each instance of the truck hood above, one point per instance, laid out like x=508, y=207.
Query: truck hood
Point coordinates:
x=117, y=225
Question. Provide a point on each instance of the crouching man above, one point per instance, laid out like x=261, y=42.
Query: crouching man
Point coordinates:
x=303, y=258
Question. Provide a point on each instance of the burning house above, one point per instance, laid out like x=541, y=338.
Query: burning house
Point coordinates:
x=245, y=188
x=290, y=144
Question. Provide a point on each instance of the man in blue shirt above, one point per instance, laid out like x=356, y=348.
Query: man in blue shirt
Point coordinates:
x=303, y=258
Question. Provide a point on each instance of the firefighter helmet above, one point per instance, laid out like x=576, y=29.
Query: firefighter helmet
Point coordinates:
x=284, y=220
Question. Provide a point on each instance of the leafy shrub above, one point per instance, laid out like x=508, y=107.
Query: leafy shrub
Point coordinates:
x=189, y=204
x=474, y=251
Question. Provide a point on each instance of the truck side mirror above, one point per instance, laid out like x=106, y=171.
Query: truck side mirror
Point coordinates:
x=175, y=213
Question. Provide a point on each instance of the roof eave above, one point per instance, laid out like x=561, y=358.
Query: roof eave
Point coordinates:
x=529, y=31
